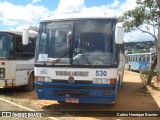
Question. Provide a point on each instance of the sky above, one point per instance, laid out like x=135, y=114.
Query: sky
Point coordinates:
x=20, y=14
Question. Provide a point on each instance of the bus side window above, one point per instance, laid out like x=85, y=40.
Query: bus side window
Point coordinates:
x=135, y=58
x=139, y=58
x=148, y=58
x=19, y=46
x=24, y=51
x=143, y=58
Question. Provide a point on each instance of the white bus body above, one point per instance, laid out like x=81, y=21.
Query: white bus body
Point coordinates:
x=16, y=60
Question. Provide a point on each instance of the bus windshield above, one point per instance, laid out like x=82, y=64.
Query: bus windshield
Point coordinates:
x=6, y=45
x=77, y=42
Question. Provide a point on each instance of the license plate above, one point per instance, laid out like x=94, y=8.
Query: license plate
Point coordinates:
x=72, y=100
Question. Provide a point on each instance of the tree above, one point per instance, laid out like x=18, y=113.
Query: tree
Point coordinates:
x=144, y=14
x=147, y=13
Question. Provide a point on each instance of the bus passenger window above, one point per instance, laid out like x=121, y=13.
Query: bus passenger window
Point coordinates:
x=131, y=58
x=138, y=58
x=148, y=58
x=134, y=59
x=24, y=51
x=143, y=58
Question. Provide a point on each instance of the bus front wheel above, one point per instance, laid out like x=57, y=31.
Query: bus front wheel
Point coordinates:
x=30, y=86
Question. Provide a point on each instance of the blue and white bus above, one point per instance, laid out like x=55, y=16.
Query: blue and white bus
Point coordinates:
x=79, y=59
x=140, y=61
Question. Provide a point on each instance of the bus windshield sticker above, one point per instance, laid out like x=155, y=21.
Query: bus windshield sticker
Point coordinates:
x=43, y=57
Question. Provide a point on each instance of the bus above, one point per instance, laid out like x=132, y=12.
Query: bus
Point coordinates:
x=16, y=60
x=79, y=58
x=140, y=61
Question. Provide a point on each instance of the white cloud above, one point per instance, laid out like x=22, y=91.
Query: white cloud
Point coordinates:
x=137, y=35
x=115, y=3
x=34, y=1
x=116, y=8
x=15, y=15
x=67, y=6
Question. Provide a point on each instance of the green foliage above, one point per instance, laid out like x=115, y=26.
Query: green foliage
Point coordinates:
x=144, y=14
x=144, y=76
x=141, y=51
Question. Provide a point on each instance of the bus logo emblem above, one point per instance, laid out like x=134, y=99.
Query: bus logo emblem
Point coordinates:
x=43, y=71
x=71, y=79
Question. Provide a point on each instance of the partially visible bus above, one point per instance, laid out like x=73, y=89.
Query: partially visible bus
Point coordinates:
x=16, y=60
x=140, y=61
x=79, y=58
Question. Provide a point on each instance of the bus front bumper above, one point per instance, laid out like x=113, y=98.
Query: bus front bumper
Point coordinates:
x=77, y=93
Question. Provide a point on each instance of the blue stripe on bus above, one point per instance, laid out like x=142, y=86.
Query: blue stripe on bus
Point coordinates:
x=92, y=95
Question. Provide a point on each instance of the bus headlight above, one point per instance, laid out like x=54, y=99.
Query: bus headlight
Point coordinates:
x=97, y=81
x=104, y=81
x=39, y=79
x=42, y=79
x=48, y=79
x=2, y=72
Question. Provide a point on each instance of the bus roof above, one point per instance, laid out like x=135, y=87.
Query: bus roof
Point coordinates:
x=77, y=16
x=142, y=53
x=31, y=34
x=12, y=31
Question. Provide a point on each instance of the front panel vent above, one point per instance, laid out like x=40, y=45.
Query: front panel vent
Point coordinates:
x=72, y=73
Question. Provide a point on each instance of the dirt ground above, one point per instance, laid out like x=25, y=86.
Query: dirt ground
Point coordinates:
x=132, y=97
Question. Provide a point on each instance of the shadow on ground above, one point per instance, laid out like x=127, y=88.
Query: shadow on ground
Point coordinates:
x=18, y=92
x=132, y=97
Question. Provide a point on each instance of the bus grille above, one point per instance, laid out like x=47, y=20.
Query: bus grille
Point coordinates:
x=72, y=93
x=72, y=73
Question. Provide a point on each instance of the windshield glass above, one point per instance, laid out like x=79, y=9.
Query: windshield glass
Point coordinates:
x=79, y=42
x=6, y=45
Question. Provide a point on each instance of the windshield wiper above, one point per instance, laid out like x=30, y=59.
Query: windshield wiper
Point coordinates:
x=85, y=58
x=58, y=59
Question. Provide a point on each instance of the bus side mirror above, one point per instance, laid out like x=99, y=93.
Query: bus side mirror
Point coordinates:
x=25, y=37
x=119, y=33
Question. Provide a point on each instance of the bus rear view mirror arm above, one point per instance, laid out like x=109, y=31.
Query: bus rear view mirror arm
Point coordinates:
x=119, y=33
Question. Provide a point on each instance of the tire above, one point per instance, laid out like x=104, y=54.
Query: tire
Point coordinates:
x=30, y=86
